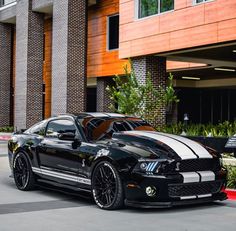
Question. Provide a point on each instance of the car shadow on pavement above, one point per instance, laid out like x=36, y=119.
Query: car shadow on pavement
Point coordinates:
x=58, y=201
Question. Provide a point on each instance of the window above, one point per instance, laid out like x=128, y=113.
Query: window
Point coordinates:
x=113, y=32
x=200, y=1
x=38, y=129
x=57, y=127
x=104, y=127
x=151, y=7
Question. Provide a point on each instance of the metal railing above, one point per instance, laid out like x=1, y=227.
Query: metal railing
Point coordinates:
x=6, y=2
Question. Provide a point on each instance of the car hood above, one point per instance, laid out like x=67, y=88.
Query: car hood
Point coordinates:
x=161, y=145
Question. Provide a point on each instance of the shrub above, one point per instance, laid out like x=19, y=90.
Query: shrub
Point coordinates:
x=134, y=98
x=231, y=183
x=6, y=129
x=225, y=129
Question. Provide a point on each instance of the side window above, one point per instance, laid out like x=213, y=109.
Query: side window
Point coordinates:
x=56, y=127
x=38, y=129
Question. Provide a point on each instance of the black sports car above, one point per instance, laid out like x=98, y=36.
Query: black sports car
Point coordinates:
x=119, y=159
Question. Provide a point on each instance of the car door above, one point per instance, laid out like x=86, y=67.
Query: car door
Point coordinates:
x=59, y=159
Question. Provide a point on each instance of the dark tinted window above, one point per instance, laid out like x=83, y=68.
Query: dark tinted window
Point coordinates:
x=38, y=128
x=56, y=127
x=113, y=32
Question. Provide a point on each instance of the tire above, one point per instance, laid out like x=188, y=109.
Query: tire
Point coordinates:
x=22, y=173
x=107, y=187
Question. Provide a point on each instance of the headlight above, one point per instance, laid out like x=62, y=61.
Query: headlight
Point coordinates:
x=150, y=166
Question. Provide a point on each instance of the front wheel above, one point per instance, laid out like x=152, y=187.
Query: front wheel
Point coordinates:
x=22, y=172
x=107, y=186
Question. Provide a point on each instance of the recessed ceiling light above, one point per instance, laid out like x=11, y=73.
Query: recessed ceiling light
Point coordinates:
x=234, y=51
x=224, y=69
x=191, y=78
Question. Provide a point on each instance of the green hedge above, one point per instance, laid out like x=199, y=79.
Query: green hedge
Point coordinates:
x=225, y=129
x=7, y=129
x=231, y=183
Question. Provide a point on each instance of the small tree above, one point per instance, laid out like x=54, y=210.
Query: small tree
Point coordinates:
x=134, y=98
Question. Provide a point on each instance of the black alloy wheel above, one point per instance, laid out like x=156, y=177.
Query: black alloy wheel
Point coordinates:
x=107, y=186
x=22, y=172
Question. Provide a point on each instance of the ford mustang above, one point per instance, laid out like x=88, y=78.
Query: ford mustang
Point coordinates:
x=120, y=160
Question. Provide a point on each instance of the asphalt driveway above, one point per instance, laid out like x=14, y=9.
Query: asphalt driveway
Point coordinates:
x=43, y=210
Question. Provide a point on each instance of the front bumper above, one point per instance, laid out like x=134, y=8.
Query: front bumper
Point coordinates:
x=161, y=204
x=172, y=190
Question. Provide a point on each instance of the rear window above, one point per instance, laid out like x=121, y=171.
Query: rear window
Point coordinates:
x=103, y=128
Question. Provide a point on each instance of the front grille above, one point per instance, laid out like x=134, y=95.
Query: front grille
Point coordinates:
x=193, y=165
x=191, y=189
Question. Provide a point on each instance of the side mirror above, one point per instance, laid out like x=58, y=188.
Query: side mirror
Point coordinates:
x=70, y=136
x=66, y=136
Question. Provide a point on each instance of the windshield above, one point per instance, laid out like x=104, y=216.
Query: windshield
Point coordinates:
x=98, y=128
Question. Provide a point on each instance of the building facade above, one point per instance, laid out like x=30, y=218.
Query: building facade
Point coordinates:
x=59, y=56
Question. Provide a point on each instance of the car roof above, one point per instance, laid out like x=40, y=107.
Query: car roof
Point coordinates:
x=99, y=114
x=83, y=115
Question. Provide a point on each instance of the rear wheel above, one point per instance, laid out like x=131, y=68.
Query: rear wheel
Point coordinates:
x=22, y=172
x=107, y=186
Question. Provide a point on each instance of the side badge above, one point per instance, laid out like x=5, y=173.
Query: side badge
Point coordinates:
x=177, y=166
x=83, y=163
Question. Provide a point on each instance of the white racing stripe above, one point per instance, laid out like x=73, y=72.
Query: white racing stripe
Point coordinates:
x=62, y=176
x=195, y=177
x=181, y=149
x=207, y=175
x=205, y=195
x=197, y=148
x=188, y=197
x=190, y=177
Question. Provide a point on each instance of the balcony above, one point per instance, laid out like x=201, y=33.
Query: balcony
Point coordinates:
x=5, y=3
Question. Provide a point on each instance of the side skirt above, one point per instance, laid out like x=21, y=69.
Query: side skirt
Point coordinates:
x=54, y=186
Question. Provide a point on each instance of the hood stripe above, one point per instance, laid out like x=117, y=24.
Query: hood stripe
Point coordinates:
x=167, y=135
x=183, y=151
x=198, y=149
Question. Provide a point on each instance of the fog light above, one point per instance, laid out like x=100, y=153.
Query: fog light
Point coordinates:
x=151, y=191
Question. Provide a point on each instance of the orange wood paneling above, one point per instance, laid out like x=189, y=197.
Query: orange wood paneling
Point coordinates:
x=174, y=65
x=47, y=69
x=100, y=61
x=187, y=26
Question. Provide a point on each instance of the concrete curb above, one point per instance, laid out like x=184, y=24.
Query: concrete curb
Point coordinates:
x=231, y=193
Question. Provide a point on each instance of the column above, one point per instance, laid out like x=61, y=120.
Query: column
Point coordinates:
x=29, y=65
x=6, y=31
x=69, y=56
x=156, y=66
x=103, y=97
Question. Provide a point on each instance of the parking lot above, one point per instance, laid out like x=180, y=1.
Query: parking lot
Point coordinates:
x=47, y=210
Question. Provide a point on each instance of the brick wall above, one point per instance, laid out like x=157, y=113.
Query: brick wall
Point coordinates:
x=156, y=66
x=69, y=51
x=77, y=56
x=6, y=32
x=103, y=97
x=29, y=65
